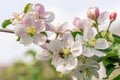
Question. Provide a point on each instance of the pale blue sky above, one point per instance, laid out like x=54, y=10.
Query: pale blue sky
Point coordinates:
x=65, y=10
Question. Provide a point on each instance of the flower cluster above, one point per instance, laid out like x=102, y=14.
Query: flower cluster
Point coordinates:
x=81, y=51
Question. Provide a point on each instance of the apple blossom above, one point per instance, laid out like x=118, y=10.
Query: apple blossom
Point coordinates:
x=29, y=31
x=76, y=51
x=86, y=69
x=80, y=24
x=90, y=45
x=65, y=53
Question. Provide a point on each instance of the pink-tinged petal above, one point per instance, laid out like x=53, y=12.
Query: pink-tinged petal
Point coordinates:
x=88, y=33
x=44, y=46
x=49, y=27
x=63, y=28
x=27, y=20
x=88, y=52
x=20, y=30
x=101, y=44
x=103, y=16
x=80, y=24
x=39, y=8
x=27, y=40
x=71, y=63
x=39, y=26
x=43, y=55
x=93, y=13
x=49, y=16
x=76, y=21
x=76, y=49
x=39, y=39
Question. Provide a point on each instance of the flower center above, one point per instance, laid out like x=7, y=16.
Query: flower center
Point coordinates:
x=57, y=27
x=92, y=43
x=88, y=73
x=64, y=52
x=31, y=31
x=17, y=17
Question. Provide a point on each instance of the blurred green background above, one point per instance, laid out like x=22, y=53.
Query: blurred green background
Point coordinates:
x=36, y=70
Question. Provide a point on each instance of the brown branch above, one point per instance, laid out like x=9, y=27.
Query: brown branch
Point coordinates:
x=11, y=31
x=6, y=30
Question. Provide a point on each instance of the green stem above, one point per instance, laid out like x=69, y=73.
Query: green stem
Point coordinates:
x=109, y=25
x=97, y=27
x=108, y=28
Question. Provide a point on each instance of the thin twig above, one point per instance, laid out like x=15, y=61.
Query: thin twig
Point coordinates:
x=11, y=31
x=6, y=30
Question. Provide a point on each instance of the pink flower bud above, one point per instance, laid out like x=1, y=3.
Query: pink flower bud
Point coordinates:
x=93, y=13
x=113, y=16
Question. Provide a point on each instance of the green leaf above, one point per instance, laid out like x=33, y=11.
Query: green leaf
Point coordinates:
x=75, y=33
x=18, y=39
x=117, y=77
x=109, y=69
x=27, y=8
x=6, y=23
x=108, y=56
x=44, y=33
x=116, y=38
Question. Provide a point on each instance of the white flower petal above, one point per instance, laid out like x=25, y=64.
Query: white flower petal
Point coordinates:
x=98, y=53
x=88, y=52
x=39, y=39
x=103, y=16
x=101, y=44
x=74, y=77
x=57, y=60
x=88, y=33
x=76, y=49
x=63, y=28
x=71, y=63
x=49, y=16
x=94, y=72
x=27, y=40
x=62, y=69
x=44, y=55
x=20, y=30
x=102, y=71
x=55, y=45
x=68, y=40
x=80, y=39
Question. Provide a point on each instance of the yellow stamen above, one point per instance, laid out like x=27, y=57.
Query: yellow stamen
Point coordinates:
x=31, y=31
x=57, y=26
x=17, y=17
x=92, y=42
x=66, y=51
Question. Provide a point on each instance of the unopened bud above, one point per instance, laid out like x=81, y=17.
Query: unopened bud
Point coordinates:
x=93, y=13
x=113, y=16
